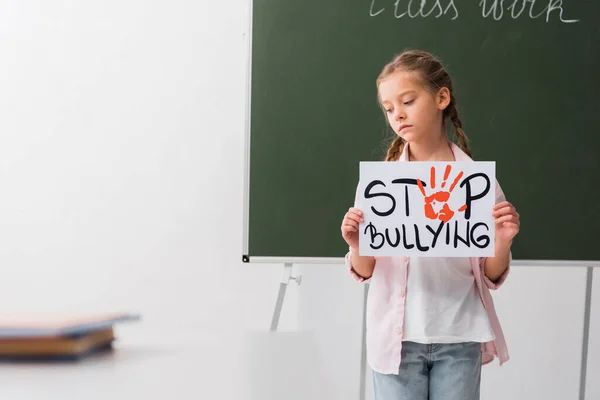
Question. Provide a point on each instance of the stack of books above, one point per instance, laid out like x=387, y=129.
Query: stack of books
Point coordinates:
x=57, y=336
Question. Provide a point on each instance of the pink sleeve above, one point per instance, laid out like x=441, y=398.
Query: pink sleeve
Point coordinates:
x=495, y=285
x=354, y=274
x=348, y=257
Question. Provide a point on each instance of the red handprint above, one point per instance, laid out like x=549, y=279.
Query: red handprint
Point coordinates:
x=440, y=198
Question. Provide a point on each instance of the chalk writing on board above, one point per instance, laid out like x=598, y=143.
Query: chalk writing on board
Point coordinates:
x=518, y=7
x=414, y=8
x=496, y=9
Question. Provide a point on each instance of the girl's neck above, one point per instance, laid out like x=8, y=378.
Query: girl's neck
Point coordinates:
x=438, y=150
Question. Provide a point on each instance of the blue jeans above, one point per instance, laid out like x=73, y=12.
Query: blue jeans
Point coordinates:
x=433, y=371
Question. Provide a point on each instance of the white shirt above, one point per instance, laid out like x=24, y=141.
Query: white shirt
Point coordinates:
x=386, y=304
x=443, y=304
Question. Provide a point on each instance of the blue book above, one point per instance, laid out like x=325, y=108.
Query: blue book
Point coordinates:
x=54, y=325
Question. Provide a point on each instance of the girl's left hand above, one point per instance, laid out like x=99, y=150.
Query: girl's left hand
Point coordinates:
x=507, y=222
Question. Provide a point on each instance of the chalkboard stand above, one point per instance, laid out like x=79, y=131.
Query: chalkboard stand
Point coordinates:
x=285, y=280
x=586, y=331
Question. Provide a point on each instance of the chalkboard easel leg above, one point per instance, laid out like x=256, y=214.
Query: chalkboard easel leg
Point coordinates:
x=586, y=331
x=285, y=279
x=363, y=347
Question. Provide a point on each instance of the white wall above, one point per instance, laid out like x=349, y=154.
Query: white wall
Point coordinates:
x=122, y=130
x=542, y=312
x=330, y=304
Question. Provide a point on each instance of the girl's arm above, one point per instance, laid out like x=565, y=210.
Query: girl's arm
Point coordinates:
x=508, y=223
x=495, y=266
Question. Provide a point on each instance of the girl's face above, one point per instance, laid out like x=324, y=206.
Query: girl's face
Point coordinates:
x=412, y=110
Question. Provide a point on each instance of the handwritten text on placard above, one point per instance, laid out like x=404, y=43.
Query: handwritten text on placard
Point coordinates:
x=428, y=209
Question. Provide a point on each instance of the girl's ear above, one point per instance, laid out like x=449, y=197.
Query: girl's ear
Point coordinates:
x=443, y=98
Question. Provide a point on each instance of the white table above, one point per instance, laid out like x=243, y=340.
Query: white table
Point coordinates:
x=260, y=366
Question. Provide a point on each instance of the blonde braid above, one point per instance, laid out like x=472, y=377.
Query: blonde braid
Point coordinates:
x=395, y=149
x=461, y=136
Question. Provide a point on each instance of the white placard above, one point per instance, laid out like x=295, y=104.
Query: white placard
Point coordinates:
x=429, y=209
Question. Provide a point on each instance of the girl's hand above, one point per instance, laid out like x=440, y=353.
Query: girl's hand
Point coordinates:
x=350, y=226
x=507, y=222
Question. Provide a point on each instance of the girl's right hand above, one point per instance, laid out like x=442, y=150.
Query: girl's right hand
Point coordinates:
x=350, y=226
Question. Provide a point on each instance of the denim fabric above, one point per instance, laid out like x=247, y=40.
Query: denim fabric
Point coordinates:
x=448, y=371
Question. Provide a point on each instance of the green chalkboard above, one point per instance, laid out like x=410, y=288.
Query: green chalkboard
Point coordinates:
x=528, y=89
